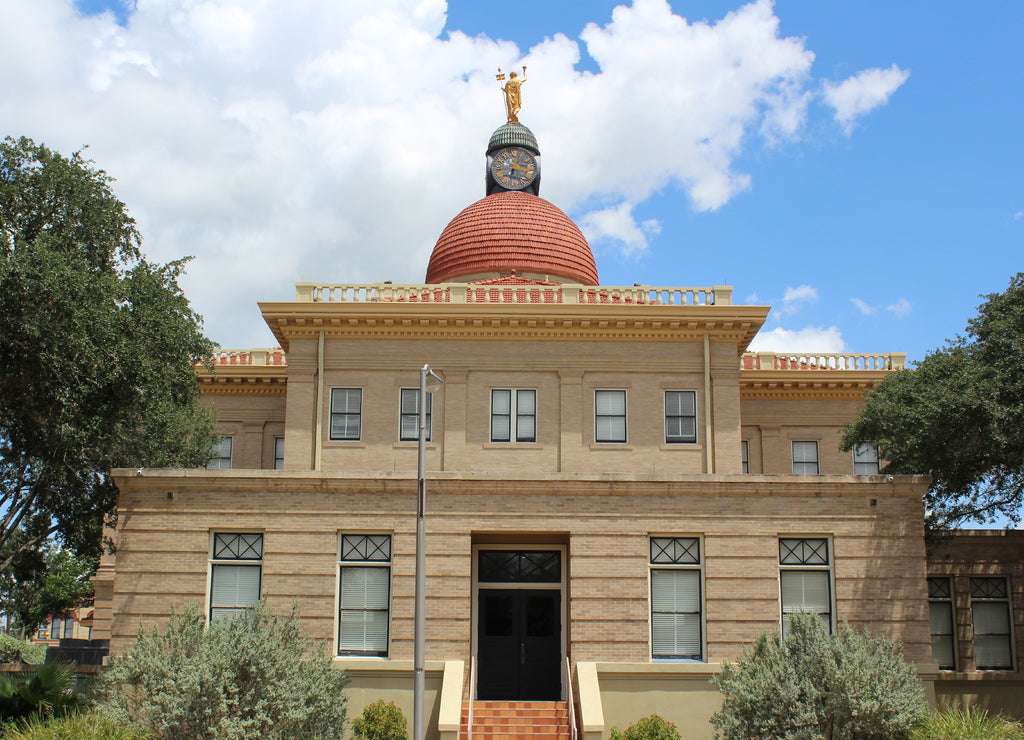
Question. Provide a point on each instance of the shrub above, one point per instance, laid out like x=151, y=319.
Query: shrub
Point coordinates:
x=90, y=726
x=46, y=691
x=967, y=724
x=13, y=650
x=249, y=678
x=648, y=728
x=812, y=686
x=381, y=720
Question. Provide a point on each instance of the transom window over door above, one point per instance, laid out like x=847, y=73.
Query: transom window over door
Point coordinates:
x=681, y=417
x=805, y=578
x=610, y=416
x=676, y=619
x=346, y=413
x=235, y=572
x=364, y=594
x=513, y=415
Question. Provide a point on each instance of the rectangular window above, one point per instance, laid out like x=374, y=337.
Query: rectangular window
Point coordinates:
x=805, y=578
x=513, y=415
x=364, y=594
x=56, y=624
x=681, y=417
x=278, y=453
x=865, y=460
x=805, y=458
x=745, y=455
x=990, y=607
x=940, y=615
x=409, y=409
x=235, y=572
x=610, y=416
x=346, y=413
x=676, y=622
x=221, y=453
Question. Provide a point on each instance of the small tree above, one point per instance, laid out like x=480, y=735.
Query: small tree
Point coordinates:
x=648, y=728
x=249, y=678
x=381, y=720
x=813, y=686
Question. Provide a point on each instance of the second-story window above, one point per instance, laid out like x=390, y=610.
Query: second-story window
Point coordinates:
x=681, y=417
x=513, y=415
x=409, y=421
x=865, y=459
x=610, y=416
x=745, y=455
x=278, y=453
x=346, y=413
x=805, y=458
x=221, y=454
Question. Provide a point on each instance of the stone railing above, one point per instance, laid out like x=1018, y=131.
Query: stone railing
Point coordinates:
x=823, y=361
x=646, y=295
x=255, y=357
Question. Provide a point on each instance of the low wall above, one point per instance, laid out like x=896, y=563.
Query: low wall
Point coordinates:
x=1001, y=692
x=392, y=680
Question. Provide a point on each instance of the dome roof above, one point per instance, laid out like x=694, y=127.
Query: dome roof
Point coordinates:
x=512, y=134
x=512, y=232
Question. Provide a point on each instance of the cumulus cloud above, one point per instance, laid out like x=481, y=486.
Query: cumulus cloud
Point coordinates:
x=812, y=339
x=292, y=140
x=862, y=93
x=900, y=308
x=795, y=299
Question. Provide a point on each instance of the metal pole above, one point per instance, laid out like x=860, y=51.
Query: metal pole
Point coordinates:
x=419, y=650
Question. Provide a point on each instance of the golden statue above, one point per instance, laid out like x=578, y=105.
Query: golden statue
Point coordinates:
x=513, y=96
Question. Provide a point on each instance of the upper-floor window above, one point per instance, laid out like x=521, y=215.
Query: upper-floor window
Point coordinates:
x=364, y=594
x=865, y=459
x=278, y=453
x=805, y=458
x=610, y=416
x=236, y=567
x=221, y=454
x=680, y=416
x=805, y=578
x=676, y=618
x=409, y=422
x=513, y=415
x=940, y=616
x=990, y=607
x=745, y=455
x=346, y=413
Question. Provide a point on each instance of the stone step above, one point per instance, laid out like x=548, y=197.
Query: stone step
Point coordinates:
x=507, y=720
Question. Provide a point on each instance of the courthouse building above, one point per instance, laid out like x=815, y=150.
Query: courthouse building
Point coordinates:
x=619, y=494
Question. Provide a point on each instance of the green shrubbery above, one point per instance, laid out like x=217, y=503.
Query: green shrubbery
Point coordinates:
x=250, y=678
x=381, y=720
x=814, y=686
x=13, y=650
x=648, y=728
x=968, y=724
x=45, y=692
x=93, y=725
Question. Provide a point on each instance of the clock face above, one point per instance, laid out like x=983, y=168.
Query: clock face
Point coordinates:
x=514, y=168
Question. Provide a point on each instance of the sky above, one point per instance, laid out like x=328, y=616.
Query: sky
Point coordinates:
x=856, y=165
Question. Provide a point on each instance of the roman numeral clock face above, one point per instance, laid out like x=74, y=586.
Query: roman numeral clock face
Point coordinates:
x=514, y=168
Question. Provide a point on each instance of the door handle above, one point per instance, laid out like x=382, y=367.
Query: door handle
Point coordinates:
x=522, y=653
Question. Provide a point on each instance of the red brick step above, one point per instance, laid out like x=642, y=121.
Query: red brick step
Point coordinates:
x=516, y=720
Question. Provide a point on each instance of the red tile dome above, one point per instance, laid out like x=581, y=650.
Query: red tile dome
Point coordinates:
x=512, y=232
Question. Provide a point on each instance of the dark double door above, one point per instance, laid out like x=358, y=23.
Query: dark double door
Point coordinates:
x=519, y=644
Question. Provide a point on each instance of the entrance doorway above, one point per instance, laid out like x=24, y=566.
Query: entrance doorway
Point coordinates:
x=519, y=645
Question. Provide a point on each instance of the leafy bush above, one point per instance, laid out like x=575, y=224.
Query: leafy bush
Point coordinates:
x=13, y=650
x=811, y=686
x=967, y=724
x=381, y=720
x=47, y=691
x=648, y=728
x=249, y=678
x=90, y=726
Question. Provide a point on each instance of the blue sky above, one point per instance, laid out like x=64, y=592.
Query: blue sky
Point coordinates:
x=695, y=142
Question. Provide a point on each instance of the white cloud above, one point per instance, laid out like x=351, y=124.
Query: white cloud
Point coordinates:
x=812, y=339
x=287, y=140
x=900, y=308
x=796, y=298
x=862, y=93
x=865, y=308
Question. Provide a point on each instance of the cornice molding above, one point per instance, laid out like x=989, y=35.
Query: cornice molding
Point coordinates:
x=249, y=380
x=808, y=384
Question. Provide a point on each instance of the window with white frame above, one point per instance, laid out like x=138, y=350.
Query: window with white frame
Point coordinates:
x=681, y=417
x=745, y=455
x=409, y=409
x=610, y=416
x=236, y=569
x=346, y=413
x=278, y=453
x=805, y=578
x=513, y=415
x=805, y=458
x=676, y=619
x=865, y=459
x=940, y=616
x=364, y=594
x=221, y=454
x=990, y=609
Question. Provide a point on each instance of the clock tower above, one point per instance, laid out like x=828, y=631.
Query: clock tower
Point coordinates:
x=513, y=160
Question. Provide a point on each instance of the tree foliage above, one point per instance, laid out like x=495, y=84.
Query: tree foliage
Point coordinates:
x=653, y=727
x=248, y=678
x=40, y=583
x=97, y=352
x=959, y=417
x=813, y=686
x=381, y=720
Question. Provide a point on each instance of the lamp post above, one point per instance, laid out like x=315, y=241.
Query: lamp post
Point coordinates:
x=429, y=382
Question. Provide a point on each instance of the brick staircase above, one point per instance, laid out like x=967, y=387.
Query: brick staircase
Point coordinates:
x=516, y=720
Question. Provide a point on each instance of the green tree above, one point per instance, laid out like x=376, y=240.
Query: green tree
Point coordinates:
x=97, y=353
x=40, y=583
x=813, y=686
x=248, y=678
x=958, y=417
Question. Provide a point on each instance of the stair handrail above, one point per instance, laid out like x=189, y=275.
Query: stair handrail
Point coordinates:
x=573, y=730
x=472, y=696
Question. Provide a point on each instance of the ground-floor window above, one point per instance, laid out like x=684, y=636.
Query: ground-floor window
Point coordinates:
x=236, y=567
x=990, y=608
x=805, y=578
x=364, y=594
x=940, y=616
x=676, y=619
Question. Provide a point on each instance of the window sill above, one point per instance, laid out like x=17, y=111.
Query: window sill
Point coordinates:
x=681, y=447
x=512, y=446
x=351, y=444
x=620, y=446
x=407, y=445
